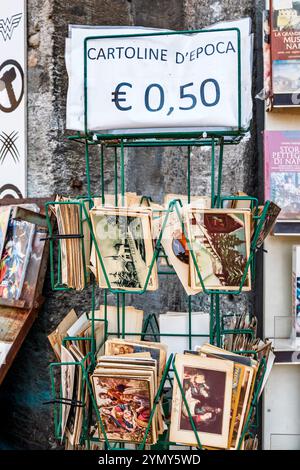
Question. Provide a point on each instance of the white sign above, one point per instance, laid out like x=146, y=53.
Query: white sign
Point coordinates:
x=165, y=82
x=12, y=98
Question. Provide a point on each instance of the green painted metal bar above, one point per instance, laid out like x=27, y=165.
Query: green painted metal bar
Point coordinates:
x=212, y=182
x=211, y=320
x=102, y=175
x=87, y=166
x=217, y=316
x=118, y=315
x=116, y=176
x=93, y=342
x=105, y=312
x=123, y=315
x=220, y=172
x=190, y=321
x=189, y=174
x=122, y=173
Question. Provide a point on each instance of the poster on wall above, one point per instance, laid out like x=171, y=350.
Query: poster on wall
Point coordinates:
x=13, y=98
x=285, y=52
x=282, y=171
x=151, y=81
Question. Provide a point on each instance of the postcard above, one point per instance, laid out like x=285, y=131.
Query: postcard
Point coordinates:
x=56, y=337
x=67, y=385
x=125, y=244
x=271, y=216
x=220, y=239
x=125, y=405
x=207, y=384
x=158, y=351
x=175, y=247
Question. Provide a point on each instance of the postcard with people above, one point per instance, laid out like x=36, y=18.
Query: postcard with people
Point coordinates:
x=207, y=384
x=125, y=243
x=125, y=404
x=220, y=239
x=15, y=257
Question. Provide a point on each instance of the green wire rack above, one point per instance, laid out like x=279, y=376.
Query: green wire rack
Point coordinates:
x=216, y=141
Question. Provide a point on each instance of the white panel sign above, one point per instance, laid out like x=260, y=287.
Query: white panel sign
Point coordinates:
x=12, y=98
x=167, y=81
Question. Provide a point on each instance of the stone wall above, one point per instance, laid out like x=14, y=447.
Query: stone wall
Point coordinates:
x=57, y=166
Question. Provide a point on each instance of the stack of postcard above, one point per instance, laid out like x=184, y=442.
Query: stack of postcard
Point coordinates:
x=218, y=387
x=71, y=328
x=74, y=394
x=124, y=240
x=124, y=389
x=71, y=342
x=75, y=247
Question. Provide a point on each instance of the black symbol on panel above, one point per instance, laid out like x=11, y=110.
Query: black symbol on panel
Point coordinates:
x=8, y=25
x=10, y=190
x=11, y=85
x=8, y=146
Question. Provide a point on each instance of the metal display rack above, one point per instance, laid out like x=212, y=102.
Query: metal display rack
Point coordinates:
x=119, y=143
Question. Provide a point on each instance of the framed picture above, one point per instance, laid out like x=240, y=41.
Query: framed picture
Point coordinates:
x=207, y=385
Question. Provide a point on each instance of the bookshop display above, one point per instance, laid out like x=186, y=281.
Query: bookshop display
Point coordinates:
x=23, y=260
x=281, y=54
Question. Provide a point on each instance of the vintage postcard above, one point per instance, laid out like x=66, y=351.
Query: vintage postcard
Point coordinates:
x=220, y=239
x=207, y=384
x=158, y=351
x=125, y=243
x=273, y=212
x=175, y=247
x=124, y=405
x=56, y=337
x=67, y=385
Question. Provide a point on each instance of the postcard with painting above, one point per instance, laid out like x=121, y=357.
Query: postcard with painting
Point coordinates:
x=220, y=240
x=207, y=385
x=124, y=404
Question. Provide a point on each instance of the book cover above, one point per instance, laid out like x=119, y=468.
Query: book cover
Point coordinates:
x=282, y=171
x=4, y=219
x=296, y=292
x=14, y=261
x=285, y=52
